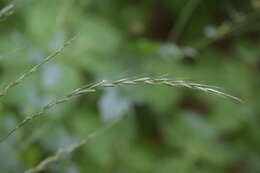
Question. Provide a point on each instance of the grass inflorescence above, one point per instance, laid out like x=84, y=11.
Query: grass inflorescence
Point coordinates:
x=6, y=11
x=122, y=82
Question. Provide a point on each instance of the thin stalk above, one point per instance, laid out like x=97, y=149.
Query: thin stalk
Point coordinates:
x=183, y=19
x=21, y=78
x=67, y=150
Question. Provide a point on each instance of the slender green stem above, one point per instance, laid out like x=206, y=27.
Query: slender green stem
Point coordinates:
x=21, y=78
x=183, y=19
x=67, y=150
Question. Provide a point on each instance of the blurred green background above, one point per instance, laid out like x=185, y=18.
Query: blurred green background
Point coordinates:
x=161, y=129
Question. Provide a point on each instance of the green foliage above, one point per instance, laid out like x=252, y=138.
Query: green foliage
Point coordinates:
x=160, y=129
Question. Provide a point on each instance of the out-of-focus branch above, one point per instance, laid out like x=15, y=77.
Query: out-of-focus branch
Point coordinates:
x=256, y=4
